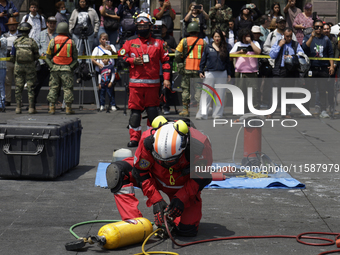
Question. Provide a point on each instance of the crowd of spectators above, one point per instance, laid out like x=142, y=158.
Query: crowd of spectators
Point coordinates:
x=246, y=31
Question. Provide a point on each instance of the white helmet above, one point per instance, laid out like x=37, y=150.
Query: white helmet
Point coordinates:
x=144, y=18
x=169, y=143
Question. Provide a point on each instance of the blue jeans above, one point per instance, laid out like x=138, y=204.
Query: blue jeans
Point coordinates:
x=110, y=92
x=2, y=87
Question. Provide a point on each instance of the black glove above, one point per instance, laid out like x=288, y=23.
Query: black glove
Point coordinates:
x=158, y=211
x=175, y=208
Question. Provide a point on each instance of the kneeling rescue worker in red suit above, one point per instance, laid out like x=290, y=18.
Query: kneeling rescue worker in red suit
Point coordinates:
x=162, y=162
x=144, y=54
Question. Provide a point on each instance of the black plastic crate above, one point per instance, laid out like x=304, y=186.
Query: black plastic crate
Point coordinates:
x=39, y=147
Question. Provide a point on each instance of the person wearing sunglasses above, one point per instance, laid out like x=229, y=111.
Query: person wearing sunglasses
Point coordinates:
x=169, y=158
x=318, y=45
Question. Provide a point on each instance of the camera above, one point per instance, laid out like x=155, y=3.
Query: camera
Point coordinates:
x=126, y=6
x=83, y=29
x=197, y=7
x=314, y=16
x=157, y=29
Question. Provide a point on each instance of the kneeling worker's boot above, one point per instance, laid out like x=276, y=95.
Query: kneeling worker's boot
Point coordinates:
x=185, y=111
x=69, y=109
x=18, y=108
x=52, y=109
x=31, y=109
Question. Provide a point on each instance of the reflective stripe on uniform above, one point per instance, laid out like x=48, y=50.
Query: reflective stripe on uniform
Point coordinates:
x=136, y=129
x=144, y=81
x=170, y=187
x=126, y=190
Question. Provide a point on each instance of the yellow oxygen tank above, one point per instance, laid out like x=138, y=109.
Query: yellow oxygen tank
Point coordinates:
x=124, y=233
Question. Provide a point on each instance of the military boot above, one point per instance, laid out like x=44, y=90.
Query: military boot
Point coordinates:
x=69, y=109
x=184, y=112
x=52, y=109
x=31, y=108
x=18, y=108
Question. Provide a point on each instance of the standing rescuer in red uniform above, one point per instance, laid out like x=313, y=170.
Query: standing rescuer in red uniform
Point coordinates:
x=166, y=159
x=144, y=54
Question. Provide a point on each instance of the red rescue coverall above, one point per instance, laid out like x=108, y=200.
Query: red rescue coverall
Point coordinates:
x=144, y=81
x=157, y=177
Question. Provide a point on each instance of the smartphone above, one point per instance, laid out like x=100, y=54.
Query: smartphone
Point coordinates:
x=314, y=14
x=249, y=6
x=107, y=43
x=197, y=7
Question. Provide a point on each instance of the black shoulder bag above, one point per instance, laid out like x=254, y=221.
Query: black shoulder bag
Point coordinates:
x=56, y=53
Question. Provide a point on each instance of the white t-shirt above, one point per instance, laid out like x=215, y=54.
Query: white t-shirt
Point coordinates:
x=98, y=51
x=231, y=39
x=245, y=65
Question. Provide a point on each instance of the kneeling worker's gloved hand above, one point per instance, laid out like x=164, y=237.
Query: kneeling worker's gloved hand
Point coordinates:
x=158, y=211
x=175, y=208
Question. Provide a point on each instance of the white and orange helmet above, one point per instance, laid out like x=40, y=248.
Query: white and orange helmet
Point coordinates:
x=144, y=18
x=170, y=140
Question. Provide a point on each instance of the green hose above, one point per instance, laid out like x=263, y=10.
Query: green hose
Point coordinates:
x=89, y=222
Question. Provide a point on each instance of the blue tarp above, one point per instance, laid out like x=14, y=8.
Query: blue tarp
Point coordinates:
x=101, y=175
x=279, y=180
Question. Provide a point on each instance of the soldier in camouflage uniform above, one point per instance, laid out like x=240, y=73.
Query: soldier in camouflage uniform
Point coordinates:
x=61, y=57
x=25, y=52
x=220, y=14
x=188, y=65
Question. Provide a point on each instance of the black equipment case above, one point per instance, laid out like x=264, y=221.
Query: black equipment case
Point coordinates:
x=39, y=147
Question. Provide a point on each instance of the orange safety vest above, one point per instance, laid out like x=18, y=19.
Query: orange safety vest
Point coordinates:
x=193, y=60
x=64, y=57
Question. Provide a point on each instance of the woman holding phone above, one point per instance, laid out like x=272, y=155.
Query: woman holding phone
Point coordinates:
x=246, y=68
x=104, y=47
x=196, y=14
x=249, y=13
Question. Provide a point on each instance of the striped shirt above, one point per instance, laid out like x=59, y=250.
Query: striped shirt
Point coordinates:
x=43, y=41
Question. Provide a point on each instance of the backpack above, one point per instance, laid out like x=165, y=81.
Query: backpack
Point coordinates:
x=128, y=22
x=110, y=24
x=24, y=53
x=40, y=18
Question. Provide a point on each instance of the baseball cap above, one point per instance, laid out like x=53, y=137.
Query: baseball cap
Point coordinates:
x=279, y=19
x=51, y=19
